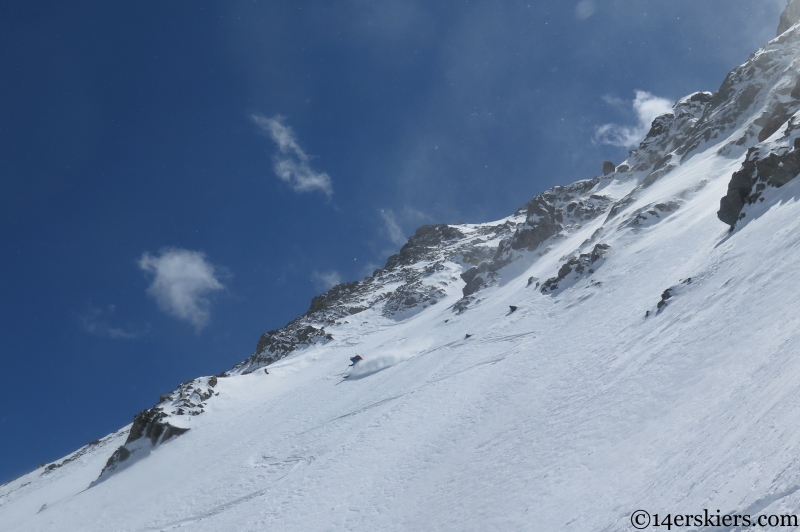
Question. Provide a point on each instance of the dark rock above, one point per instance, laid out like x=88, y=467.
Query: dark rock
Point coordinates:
x=739, y=188
x=467, y=336
x=745, y=187
x=120, y=455
x=212, y=381
x=473, y=286
x=463, y=304
x=670, y=292
x=470, y=274
x=608, y=167
x=547, y=214
x=777, y=170
x=331, y=297
x=425, y=238
x=779, y=116
x=412, y=294
x=148, y=424
x=669, y=206
x=513, y=308
x=578, y=265
x=277, y=344
x=790, y=16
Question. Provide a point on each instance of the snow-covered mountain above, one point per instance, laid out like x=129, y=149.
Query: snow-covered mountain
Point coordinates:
x=625, y=342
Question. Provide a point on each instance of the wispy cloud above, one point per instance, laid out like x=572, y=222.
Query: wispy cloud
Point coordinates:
x=393, y=230
x=326, y=280
x=585, y=9
x=647, y=107
x=96, y=322
x=394, y=222
x=291, y=164
x=182, y=280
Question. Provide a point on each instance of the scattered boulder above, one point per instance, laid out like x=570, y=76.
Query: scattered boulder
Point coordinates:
x=513, y=309
x=608, y=167
x=668, y=294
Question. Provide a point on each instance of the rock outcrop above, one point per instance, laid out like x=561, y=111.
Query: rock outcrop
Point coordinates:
x=575, y=268
x=790, y=16
x=556, y=212
x=768, y=164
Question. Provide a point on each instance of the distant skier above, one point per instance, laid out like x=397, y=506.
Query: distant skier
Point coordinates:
x=355, y=360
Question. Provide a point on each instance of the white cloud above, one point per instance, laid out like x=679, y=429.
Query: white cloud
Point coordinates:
x=182, y=280
x=292, y=164
x=96, y=322
x=585, y=9
x=647, y=107
x=393, y=229
x=326, y=280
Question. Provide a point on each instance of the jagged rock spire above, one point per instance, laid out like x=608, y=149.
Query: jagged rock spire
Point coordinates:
x=790, y=16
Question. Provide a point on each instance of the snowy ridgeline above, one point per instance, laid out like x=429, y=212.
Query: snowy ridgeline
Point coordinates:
x=611, y=346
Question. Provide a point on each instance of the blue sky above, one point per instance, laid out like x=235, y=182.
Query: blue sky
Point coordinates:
x=180, y=177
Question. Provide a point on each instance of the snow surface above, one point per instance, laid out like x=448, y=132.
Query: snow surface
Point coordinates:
x=568, y=414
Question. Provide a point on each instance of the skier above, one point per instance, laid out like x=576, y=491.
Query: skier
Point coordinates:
x=355, y=360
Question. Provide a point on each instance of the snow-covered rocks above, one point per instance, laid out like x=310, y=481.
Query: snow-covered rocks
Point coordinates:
x=772, y=163
x=575, y=269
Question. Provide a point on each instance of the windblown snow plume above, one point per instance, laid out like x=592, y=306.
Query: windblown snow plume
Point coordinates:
x=647, y=107
x=373, y=364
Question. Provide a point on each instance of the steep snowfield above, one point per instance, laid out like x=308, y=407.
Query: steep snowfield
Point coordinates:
x=570, y=413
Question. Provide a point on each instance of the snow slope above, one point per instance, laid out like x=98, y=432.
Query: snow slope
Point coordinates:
x=584, y=405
